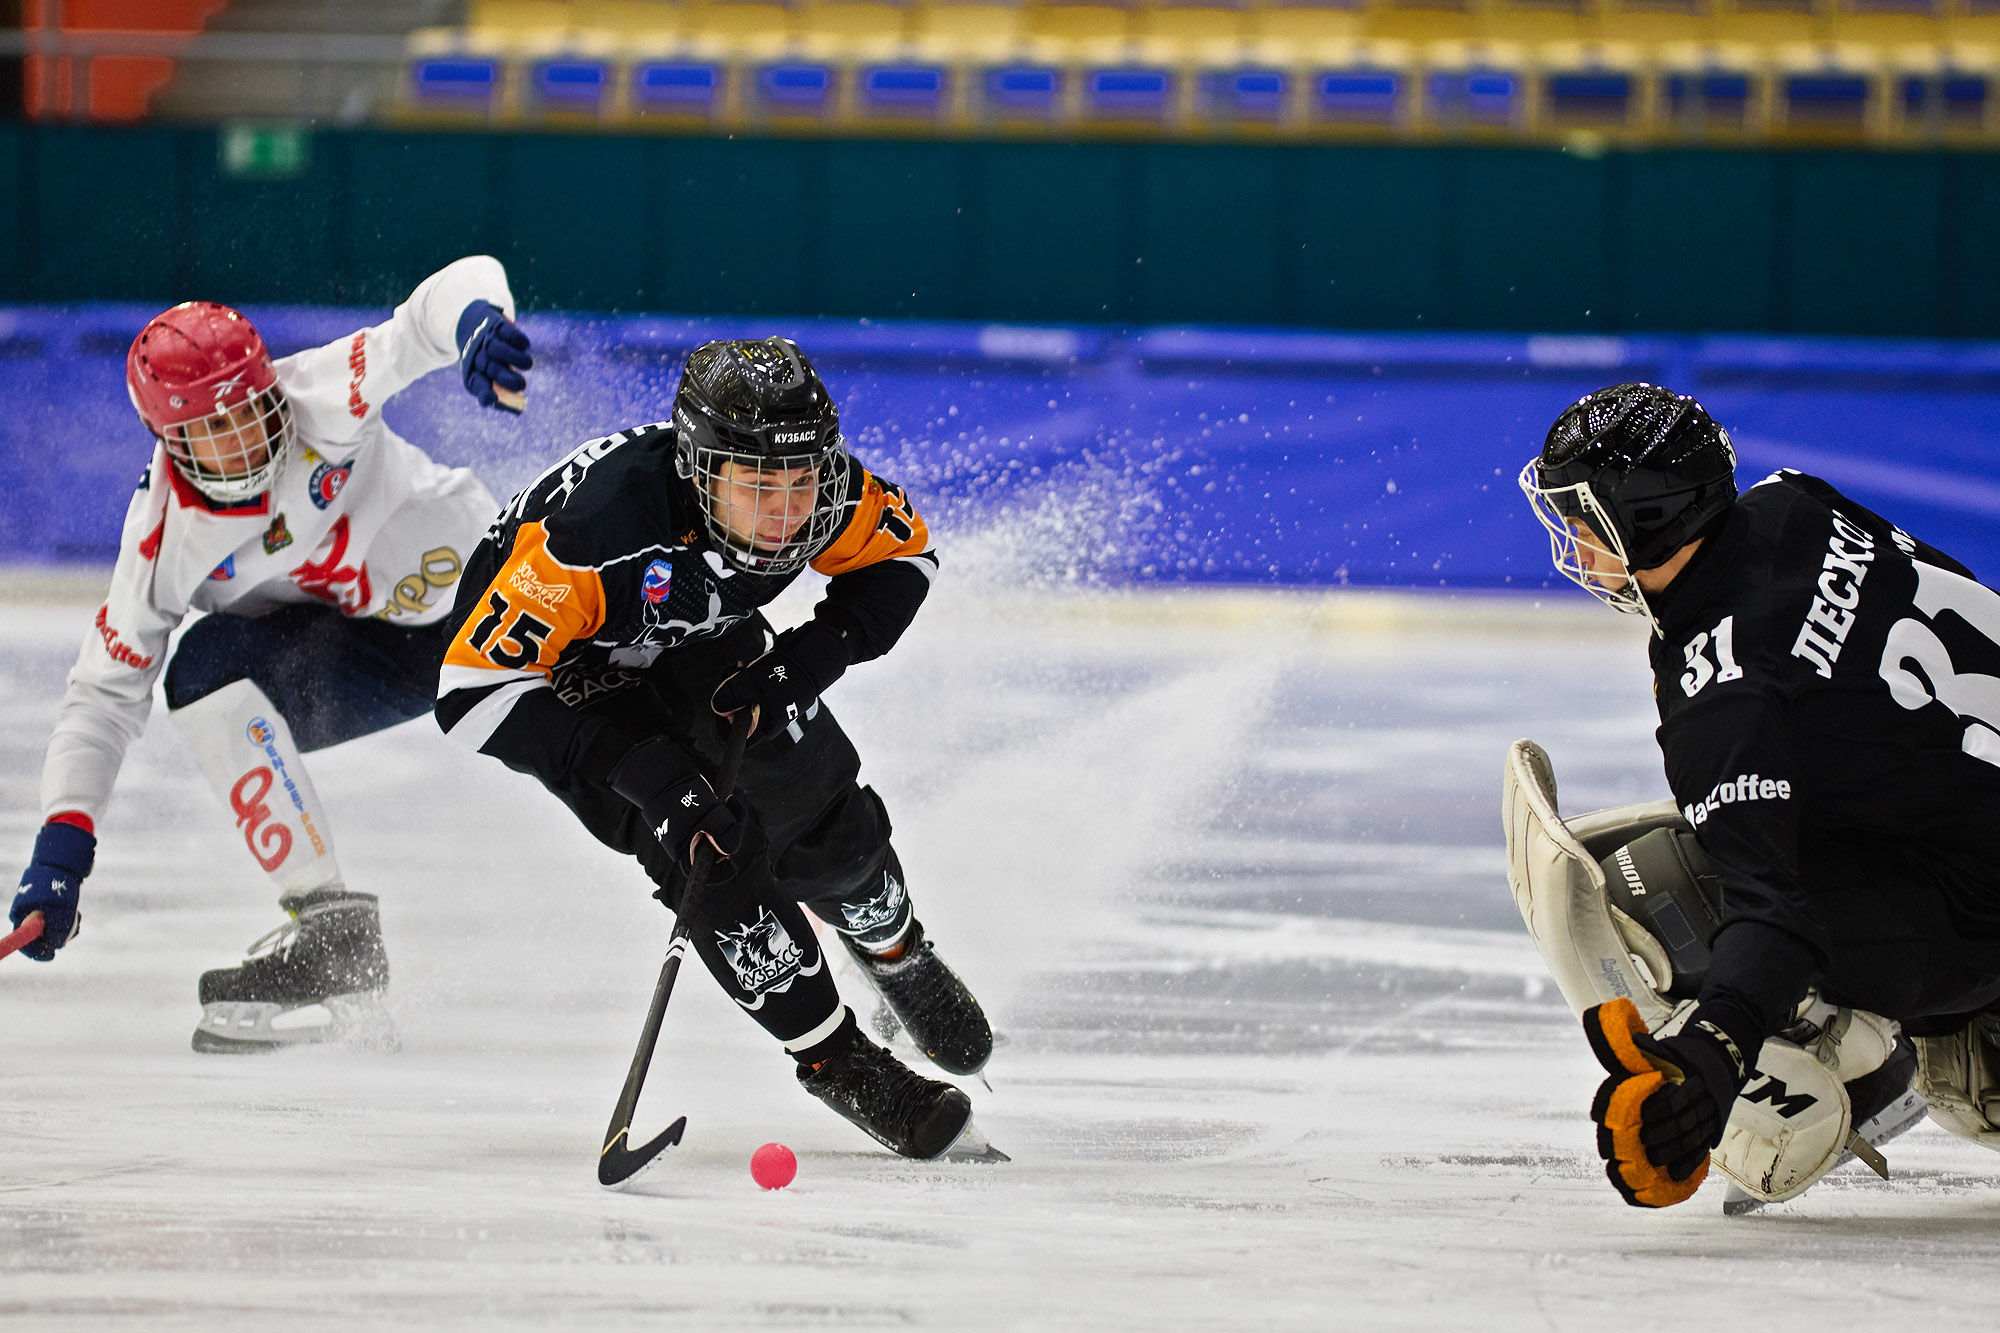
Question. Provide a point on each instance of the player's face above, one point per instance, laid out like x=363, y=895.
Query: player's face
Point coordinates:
x=763, y=508
x=1604, y=569
x=232, y=443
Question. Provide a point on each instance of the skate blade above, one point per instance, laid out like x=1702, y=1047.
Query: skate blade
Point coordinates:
x=250, y=1027
x=971, y=1145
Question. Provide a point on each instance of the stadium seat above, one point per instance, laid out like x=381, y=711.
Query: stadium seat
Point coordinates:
x=1829, y=86
x=678, y=87
x=1475, y=85
x=902, y=91
x=1128, y=92
x=852, y=30
x=1714, y=87
x=1016, y=92
x=1595, y=85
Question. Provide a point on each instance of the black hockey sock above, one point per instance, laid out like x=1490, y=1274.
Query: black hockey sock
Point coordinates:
x=844, y=1036
x=767, y=958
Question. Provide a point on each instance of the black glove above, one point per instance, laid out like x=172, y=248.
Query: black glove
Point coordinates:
x=783, y=683
x=1665, y=1104
x=50, y=885
x=492, y=353
x=677, y=803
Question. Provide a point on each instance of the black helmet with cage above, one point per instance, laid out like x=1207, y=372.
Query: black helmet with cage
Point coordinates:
x=759, y=437
x=1646, y=469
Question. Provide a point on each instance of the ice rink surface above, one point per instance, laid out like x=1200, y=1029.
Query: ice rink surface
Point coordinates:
x=1225, y=867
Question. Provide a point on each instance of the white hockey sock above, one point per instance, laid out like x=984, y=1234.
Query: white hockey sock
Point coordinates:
x=246, y=752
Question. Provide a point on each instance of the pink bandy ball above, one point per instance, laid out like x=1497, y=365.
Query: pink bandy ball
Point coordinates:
x=773, y=1166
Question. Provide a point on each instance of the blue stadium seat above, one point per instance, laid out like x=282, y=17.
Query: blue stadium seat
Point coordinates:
x=1129, y=93
x=456, y=80
x=1478, y=96
x=1357, y=95
x=1019, y=90
x=676, y=86
x=902, y=88
x=1953, y=95
x=1825, y=96
x=796, y=86
x=574, y=85
x=1246, y=94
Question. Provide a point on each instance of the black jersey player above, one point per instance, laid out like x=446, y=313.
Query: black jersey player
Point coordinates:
x=608, y=626
x=1828, y=690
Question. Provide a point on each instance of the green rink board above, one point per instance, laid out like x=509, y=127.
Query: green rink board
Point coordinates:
x=1364, y=237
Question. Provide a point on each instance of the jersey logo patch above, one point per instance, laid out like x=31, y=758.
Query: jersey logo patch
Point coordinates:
x=328, y=480
x=764, y=956
x=523, y=581
x=876, y=912
x=225, y=571
x=277, y=537
x=658, y=582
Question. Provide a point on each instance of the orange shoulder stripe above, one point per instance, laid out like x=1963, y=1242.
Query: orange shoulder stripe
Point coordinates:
x=885, y=525
x=535, y=607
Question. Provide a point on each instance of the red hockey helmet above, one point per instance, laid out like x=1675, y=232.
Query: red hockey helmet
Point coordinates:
x=202, y=381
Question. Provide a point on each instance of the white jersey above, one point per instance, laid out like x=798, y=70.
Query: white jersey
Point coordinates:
x=359, y=518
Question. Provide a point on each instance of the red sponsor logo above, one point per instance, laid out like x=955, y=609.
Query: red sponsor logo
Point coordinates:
x=357, y=370
x=116, y=646
x=326, y=578
x=270, y=843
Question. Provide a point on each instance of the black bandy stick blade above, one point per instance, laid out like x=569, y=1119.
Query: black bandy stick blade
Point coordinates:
x=618, y=1165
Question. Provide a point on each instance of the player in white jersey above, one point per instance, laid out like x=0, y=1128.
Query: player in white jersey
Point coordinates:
x=325, y=551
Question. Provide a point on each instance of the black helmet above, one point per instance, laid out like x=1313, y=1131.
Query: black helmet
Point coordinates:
x=1645, y=467
x=760, y=438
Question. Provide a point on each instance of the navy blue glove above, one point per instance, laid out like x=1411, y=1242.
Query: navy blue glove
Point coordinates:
x=492, y=353
x=785, y=682
x=63, y=855
x=677, y=803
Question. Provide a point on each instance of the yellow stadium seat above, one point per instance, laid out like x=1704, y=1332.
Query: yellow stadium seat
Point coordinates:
x=1081, y=34
x=746, y=29
x=968, y=32
x=521, y=15
x=1421, y=23
x=631, y=20
x=1191, y=35
x=852, y=29
x=1296, y=36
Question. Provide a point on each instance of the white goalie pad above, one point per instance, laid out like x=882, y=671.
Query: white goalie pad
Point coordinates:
x=1793, y=1120
x=1956, y=1074
x=1789, y=1127
x=1595, y=952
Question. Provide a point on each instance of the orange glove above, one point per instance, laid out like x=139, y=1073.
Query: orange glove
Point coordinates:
x=1664, y=1105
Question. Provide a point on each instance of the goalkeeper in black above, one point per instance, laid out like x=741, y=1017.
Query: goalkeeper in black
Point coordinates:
x=1829, y=698
x=608, y=631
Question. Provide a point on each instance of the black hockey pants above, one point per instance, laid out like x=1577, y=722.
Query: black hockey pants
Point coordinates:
x=332, y=677
x=813, y=836
x=1893, y=946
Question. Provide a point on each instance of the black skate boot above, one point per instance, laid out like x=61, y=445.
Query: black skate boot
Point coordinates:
x=897, y=1107
x=930, y=1002
x=1886, y=1103
x=317, y=978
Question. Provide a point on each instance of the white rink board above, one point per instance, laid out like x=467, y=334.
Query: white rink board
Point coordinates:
x=1226, y=869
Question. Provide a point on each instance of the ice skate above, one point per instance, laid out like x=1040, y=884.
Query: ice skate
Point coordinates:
x=317, y=978
x=902, y=1110
x=930, y=1002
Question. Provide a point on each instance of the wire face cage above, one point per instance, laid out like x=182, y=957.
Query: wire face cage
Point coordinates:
x=237, y=453
x=771, y=513
x=1560, y=509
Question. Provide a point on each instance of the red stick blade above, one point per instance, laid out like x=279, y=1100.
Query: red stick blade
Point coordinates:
x=30, y=931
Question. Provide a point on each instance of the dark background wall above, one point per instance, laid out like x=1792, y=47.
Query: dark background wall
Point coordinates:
x=1351, y=237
